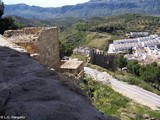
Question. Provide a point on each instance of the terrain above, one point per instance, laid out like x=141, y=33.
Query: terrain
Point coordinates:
x=131, y=91
x=34, y=92
x=96, y=32
x=113, y=103
x=87, y=10
x=99, y=32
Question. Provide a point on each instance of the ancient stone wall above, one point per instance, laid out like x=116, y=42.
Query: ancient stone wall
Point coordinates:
x=40, y=40
x=48, y=48
x=102, y=59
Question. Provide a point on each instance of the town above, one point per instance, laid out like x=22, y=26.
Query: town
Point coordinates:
x=142, y=47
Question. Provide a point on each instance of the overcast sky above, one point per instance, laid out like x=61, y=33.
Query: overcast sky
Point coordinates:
x=46, y=3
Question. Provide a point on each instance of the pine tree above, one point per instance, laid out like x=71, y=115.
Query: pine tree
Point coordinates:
x=1, y=8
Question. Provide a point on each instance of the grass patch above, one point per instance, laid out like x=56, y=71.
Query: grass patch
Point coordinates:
x=98, y=43
x=81, y=57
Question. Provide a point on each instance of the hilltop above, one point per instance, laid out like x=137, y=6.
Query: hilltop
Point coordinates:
x=87, y=10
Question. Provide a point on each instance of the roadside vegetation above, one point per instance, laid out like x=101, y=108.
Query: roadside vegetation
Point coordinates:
x=145, y=76
x=112, y=103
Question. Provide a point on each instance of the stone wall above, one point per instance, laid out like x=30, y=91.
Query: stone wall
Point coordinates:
x=102, y=59
x=40, y=40
x=48, y=48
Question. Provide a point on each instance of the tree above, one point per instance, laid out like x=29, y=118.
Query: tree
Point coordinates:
x=8, y=23
x=133, y=67
x=120, y=61
x=1, y=8
x=154, y=64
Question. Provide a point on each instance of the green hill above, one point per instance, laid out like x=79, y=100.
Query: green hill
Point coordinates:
x=96, y=32
x=100, y=31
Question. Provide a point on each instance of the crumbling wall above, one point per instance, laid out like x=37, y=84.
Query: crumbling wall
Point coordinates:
x=40, y=40
x=48, y=48
x=25, y=31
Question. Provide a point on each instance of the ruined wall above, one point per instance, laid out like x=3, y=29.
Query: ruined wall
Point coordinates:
x=102, y=59
x=25, y=31
x=40, y=40
x=48, y=48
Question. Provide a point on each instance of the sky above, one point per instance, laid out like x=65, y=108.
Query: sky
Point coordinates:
x=45, y=3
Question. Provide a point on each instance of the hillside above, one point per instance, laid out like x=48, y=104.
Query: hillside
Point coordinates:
x=96, y=32
x=100, y=31
x=62, y=23
x=87, y=10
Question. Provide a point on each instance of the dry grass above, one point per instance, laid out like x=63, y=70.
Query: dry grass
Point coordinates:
x=100, y=42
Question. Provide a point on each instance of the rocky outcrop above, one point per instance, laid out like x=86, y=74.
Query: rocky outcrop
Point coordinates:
x=32, y=92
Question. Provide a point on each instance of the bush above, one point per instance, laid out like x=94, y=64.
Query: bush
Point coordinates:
x=133, y=81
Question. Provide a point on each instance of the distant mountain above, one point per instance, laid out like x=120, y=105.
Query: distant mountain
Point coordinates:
x=88, y=9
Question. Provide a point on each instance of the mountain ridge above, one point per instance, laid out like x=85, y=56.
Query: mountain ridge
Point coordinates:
x=86, y=10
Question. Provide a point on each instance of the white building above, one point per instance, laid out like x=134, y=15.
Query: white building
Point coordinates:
x=137, y=34
x=84, y=50
x=123, y=45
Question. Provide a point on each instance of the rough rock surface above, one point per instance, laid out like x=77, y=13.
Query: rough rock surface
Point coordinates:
x=31, y=90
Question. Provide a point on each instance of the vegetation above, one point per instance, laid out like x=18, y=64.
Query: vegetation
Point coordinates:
x=62, y=23
x=128, y=77
x=99, y=32
x=134, y=80
x=1, y=8
x=8, y=23
x=148, y=73
x=120, y=61
x=81, y=57
x=96, y=32
x=112, y=103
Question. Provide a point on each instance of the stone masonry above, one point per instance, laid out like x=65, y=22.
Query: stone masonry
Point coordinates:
x=98, y=57
x=40, y=41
